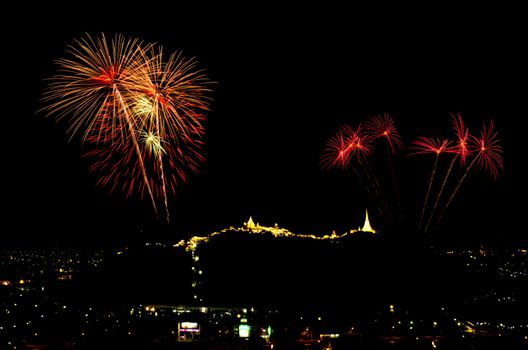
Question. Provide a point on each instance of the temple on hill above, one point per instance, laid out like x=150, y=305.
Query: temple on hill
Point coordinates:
x=250, y=227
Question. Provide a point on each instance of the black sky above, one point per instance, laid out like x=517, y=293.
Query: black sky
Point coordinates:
x=286, y=79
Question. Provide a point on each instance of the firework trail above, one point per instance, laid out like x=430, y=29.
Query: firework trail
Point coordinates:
x=380, y=194
x=339, y=151
x=425, y=145
x=132, y=102
x=168, y=94
x=362, y=148
x=347, y=145
x=350, y=147
x=382, y=126
x=461, y=152
x=488, y=156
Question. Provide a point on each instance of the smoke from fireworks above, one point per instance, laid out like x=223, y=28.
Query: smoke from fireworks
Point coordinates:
x=140, y=113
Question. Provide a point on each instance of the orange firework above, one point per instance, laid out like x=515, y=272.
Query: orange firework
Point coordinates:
x=93, y=83
x=142, y=116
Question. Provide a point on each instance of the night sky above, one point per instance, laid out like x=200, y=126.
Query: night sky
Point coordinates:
x=285, y=81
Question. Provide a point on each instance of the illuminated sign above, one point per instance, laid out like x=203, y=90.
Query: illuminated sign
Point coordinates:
x=243, y=331
x=189, y=327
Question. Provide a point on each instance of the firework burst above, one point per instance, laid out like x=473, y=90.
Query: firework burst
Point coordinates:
x=350, y=149
x=462, y=135
x=488, y=155
x=337, y=152
x=382, y=126
x=426, y=145
x=141, y=113
x=488, y=150
x=92, y=83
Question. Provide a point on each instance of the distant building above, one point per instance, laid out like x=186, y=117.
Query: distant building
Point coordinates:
x=250, y=225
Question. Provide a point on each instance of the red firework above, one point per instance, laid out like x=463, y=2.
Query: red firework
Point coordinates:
x=338, y=149
x=343, y=146
x=485, y=151
x=116, y=165
x=382, y=126
x=488, y=157
x=362, y=144
x=488, y=150
x=462, y=135
x=424, y=145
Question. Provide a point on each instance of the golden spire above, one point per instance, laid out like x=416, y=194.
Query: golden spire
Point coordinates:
x=366, y=225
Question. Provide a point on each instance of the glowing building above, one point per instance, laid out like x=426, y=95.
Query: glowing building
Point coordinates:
x=250, y=224
x=366, y=226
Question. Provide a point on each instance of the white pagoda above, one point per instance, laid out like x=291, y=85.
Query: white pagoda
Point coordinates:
x=366, y=226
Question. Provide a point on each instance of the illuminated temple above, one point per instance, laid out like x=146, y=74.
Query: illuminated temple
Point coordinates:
x=250, y=227
x=258, y=252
